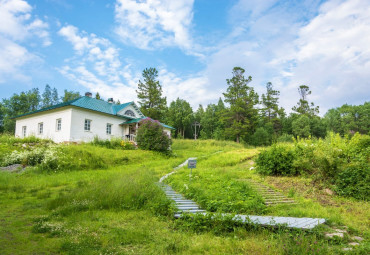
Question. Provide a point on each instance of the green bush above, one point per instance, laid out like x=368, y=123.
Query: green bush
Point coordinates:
x=335, y=160
x=353, y=181
x=276, y=160
x=151, y=136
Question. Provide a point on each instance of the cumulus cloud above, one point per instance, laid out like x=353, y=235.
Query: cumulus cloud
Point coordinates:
x=17, y=26
x=96, y=65
x=155, y=24
x=332, y=54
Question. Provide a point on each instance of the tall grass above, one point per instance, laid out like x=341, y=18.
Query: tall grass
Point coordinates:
x=132, y=191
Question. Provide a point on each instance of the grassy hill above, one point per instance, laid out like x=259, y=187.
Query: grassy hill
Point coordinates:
x=89, y=199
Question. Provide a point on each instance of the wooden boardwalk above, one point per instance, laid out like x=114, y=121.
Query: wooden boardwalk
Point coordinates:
x=270, y=196
x=189, y=206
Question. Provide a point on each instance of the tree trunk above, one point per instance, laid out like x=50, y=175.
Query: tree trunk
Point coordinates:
x=238, y=138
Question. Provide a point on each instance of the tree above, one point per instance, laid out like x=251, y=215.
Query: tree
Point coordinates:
x=47, y=99
x=240, y=118
x=270, y=112
x=303, y=107
x=301, y=126
x=70, y=95
x=149, y=92
x=180, y=116
x=19, y=104
x=97, y=96
x=55, y=97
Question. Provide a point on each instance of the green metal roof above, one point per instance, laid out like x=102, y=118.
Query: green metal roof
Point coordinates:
x=89, y=103
x=139, y=119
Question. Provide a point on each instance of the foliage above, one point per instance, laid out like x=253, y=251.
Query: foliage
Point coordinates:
x=151, y=136
x=285, y=138
x=70, y=95
x=303, y=107
x=277, y=160
x=353, y=181
x=261, y=137
x=150, y=97
x=113, y=143
x=342, y=162
x=349, y=119
x=180, y=116
x=240, y=118
x=49, y=97
x=301, y=126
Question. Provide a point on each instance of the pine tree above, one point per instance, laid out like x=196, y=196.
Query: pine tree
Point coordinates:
x=240, y=118
x=47, y=97
x=97, y=96
x=303, y=107
x=55, y=97
x=150, y=97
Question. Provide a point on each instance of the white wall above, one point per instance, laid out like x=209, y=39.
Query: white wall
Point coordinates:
x=130, y=107
x=48, y=119
x=98, y=125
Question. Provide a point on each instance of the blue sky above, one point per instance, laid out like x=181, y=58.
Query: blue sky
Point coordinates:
x=103, y=46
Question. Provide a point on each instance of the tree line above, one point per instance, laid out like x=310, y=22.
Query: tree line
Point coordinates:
x=242, y=116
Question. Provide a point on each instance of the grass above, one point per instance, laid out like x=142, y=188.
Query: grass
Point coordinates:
x=107, y=205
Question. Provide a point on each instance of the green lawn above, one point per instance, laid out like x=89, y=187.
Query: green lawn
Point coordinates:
x=117, y=209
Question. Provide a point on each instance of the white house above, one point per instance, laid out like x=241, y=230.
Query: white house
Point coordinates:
x=82, y=119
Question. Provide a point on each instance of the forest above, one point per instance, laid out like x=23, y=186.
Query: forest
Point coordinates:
x=240, y=115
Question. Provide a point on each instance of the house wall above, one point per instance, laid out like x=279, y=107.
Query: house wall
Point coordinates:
x=129, y=107
x=98, y=125
x=48, y=119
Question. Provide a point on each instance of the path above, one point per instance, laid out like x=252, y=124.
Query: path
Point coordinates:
x=189, y=206
x=270, y=196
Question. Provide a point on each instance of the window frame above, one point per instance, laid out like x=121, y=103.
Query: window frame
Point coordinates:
x=130, y=113
x=108, y=129
x=24, y=131
x=58, y=125
x=87, y=125
x=40, y=129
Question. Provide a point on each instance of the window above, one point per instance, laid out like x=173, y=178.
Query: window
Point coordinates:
x=87, y=125
x=24, y=131
x=41, y=128
x=109, y=129
x=130, y=113
x=58, y=125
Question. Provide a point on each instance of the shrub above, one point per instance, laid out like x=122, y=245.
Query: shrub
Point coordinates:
x=113, y=143
x=151, y=136
x=354, y=181
x=26, y=157
x=276, y=160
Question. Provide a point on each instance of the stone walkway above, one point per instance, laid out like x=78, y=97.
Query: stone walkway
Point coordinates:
x=189, y=206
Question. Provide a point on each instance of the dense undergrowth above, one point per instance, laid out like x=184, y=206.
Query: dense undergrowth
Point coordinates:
x=98, y=199
x=343, y=163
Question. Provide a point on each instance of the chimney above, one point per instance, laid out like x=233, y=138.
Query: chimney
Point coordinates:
x=88, y=94
x=110, y=100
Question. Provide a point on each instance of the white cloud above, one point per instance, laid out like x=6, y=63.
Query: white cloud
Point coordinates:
x=17, y=26
x=195, y=90
x=155, y=24
x=332, y=54
x=96, y=65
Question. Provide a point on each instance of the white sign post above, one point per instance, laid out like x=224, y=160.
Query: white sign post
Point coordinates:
x=192, y=163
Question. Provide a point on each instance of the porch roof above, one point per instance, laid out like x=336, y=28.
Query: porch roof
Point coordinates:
x=139, y=119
